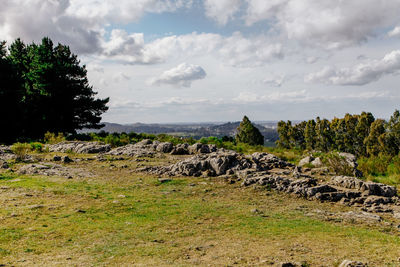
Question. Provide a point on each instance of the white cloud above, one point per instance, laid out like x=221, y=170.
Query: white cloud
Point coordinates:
x=107, y=11
x=78, y=23
x=395, y=32
x=275, y=80
x=221, y=10
x=235, y=50
x=360, y=74
x=249, y=97
x=128, y=48
x=183, y=75
x=329, y=24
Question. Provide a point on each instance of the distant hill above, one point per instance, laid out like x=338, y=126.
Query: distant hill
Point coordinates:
x=195, y=130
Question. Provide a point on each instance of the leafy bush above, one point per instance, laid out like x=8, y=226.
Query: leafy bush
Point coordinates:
x=36, y=146
x=337, y=164
x=374, y=165
x=52, y=138
x=21, y=150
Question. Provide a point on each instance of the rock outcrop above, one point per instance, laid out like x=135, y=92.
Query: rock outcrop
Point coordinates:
x=220, y=163
x=372, y=197
x=51, y=169
x=80, y=147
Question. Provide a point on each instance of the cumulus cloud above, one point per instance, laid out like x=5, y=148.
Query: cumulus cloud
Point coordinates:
x=34, y=19
x=360, y=74
x=182, y=76
x=128, y=48
x=107, y=11
x=235, y=50
x=221, y=10
x=78, y=23
x=395, y=32
x=329, y=24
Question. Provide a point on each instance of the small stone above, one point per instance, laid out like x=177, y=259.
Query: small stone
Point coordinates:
x=287, y=264
x=67, y=159
x=164, y=180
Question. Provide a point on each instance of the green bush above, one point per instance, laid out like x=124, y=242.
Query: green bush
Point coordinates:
x=36, y=146
x=52, y=138
x=374, y=165
x=21, y=150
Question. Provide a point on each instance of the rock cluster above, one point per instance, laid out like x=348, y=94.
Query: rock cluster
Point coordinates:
x=6, y=153
x=346, y=160
x=221, y=162
x=372, y=197
x=51, y=169
x=147, y=148
x=80, y=147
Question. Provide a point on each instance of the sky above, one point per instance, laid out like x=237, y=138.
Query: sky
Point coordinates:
x=218, y=60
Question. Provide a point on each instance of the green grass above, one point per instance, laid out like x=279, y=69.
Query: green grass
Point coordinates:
x=121, y=218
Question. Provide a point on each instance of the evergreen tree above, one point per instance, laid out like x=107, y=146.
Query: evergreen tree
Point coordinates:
x=310, y=134
x=297, y=135
x=248, y=133
x=362, y=131
x=371, y=142
x=324, y=135
x=390, y=140
x=51, y=89
x=284, y=131
x=10, y=98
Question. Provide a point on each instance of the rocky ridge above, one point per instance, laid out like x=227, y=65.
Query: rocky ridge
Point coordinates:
x=262, y=170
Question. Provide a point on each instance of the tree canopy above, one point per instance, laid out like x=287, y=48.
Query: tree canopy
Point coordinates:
x=45, y=88
x=357, y=134
x=248, y=133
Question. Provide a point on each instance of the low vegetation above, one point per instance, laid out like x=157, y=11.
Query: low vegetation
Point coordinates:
x=120, y=217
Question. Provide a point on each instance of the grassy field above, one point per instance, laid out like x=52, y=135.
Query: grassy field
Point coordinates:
x=122, y=218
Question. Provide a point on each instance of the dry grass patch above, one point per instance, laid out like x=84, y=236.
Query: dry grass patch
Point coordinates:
x=121, y=217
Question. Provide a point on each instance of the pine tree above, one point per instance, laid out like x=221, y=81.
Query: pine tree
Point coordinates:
x=371, y=142
x=284, y=131
x=310, y=134
x=248, y=133
x=53, y=92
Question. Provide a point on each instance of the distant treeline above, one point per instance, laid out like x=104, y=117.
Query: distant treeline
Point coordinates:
x=362, y=135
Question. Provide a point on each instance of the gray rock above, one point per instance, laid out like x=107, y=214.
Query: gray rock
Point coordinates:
x=80, y=147
x=350, y=263
x=347, y=182
x=360, y=216
x=199, y=148
x=164, y=147
x=180, y=149
x=317, y=162
x=310, y=192
x=306, y=160
x=266, y=161
x=144, y=148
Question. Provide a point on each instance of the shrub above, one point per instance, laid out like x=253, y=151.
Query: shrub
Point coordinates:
x=374, y=165
x=52, y=138
x=21, y=150
x=338, y=164
x=36, y=146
